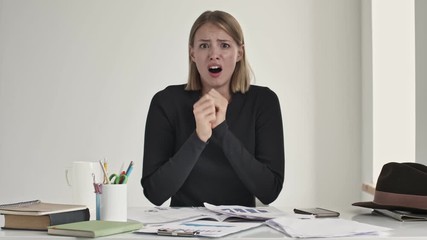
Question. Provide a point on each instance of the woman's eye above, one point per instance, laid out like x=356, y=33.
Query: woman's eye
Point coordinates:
x=204, y=45
x=225, y=45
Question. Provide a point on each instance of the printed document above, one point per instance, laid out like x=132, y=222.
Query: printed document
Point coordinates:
x=162, y=215
x=323, y=227
x=249, y=213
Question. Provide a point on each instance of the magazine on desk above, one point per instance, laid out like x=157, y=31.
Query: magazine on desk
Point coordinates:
x=162, y=215
x=208, y=221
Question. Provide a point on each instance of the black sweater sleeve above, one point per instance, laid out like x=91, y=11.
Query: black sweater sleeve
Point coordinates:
x=163, y=175
x=263, y=172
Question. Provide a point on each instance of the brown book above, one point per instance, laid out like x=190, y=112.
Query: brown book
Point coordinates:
x=26, y=222
x=37, y=207
x=37, y=215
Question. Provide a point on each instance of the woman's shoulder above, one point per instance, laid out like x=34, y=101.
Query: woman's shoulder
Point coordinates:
x=262, y=97
x=173, y=94
x=259, y=88
x=261, y=91
x=172, y=91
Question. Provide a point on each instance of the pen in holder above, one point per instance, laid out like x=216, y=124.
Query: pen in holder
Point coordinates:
x=98, y=191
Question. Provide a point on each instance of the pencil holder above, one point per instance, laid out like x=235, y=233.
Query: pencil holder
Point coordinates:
x=113, y=202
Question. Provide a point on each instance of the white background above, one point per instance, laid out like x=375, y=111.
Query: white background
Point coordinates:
x=77, y=77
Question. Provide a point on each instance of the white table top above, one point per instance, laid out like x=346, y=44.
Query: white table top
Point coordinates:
x=401, y=230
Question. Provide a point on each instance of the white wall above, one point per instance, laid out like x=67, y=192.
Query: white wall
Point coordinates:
x=393, y=85
x=367, y=95
x=421, y=79
x=76, y=79
x=392, y=97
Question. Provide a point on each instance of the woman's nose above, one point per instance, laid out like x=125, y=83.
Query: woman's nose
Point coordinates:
x=214, y=53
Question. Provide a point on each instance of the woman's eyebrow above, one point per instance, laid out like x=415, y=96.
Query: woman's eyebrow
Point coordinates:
x=218, y=40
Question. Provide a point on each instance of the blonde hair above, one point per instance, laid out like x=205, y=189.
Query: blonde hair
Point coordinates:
x=241, y=78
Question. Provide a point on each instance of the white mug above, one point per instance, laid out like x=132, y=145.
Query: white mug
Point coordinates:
x=80, y=178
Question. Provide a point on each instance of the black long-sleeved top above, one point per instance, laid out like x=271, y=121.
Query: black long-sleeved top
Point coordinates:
x=242, y=160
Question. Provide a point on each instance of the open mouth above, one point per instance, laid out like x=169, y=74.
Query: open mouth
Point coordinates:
x=215, y=69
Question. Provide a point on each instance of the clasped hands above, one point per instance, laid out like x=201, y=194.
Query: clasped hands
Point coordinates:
x=209, y=112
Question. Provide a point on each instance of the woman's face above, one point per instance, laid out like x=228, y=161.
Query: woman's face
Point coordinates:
x=215, y=54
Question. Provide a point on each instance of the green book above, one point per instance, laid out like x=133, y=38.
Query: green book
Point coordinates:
x=93, y=228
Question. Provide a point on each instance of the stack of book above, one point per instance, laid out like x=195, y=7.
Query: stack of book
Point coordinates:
x=38, y=215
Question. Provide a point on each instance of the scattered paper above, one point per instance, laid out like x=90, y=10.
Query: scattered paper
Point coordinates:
x=323, y=227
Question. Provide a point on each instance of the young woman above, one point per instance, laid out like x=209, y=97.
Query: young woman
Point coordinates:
x=216, y=139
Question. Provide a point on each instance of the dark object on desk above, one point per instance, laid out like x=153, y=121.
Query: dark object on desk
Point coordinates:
x=37, y=215
x=402, y=216
x=317, y=212
x=93, y=228
x=399, y=187
x=177, y=232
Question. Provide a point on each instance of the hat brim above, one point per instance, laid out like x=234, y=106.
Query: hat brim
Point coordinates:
x=388, y=207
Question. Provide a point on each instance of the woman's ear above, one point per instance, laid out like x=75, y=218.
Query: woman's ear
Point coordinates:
x=191, y=53
x=240, y=53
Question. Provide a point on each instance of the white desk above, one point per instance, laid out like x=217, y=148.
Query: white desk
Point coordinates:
x=401, y=230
